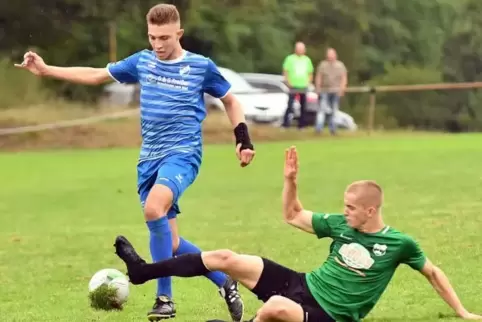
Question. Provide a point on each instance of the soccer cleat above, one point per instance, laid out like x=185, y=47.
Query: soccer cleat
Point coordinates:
x=134, y=262
x=163, y=309
x=231, y=295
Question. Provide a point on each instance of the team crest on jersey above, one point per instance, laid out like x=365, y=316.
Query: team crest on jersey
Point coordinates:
x=379, y=250
x=184, y=70
x=356, y=256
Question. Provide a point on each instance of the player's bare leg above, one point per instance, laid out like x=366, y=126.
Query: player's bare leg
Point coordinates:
x=277, y=309
x=245, y=269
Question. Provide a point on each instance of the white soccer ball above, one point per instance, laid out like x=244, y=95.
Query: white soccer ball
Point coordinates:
x=111, y=278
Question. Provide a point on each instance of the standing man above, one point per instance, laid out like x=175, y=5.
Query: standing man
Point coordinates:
x=172, y=82
x=330, y=82
x=298, y=73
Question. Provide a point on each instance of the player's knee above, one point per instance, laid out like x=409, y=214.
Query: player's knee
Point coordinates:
x=274, y=309
x=158, y=203
x=224, y=258
x=153, y=212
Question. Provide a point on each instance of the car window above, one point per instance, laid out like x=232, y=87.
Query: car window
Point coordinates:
x=238, y=83
x=269, y=87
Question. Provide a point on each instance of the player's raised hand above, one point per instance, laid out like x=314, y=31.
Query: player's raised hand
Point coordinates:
x=33, y=63
x=245, y=155
x=291, y=163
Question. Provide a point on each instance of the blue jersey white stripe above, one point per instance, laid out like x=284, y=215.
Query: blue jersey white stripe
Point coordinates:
x=172, y=99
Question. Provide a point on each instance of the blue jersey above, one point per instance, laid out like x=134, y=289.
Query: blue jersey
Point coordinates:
x=172, y=100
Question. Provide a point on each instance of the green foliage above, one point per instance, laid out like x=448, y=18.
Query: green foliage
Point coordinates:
x=380, y=41
x=419, y=109
x=19, y=88
x=462, y=62
x=104, y=298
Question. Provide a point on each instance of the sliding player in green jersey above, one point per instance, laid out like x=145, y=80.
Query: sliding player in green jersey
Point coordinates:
x=364, y=255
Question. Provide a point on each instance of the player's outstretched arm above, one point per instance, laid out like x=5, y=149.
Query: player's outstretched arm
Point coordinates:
x=293, y=212
x=80, y=75
x=441, y=284
x=217, y=86
x=233, y=108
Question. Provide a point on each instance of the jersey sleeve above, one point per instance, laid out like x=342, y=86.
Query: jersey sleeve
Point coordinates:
x=412, y=254
x=310, y=66
x=125, y=71
x=343, y=67
x=214, y=82
x=324, y=224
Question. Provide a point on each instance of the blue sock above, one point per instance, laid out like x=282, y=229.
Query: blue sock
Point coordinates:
x=161, y=249
x=185, y=247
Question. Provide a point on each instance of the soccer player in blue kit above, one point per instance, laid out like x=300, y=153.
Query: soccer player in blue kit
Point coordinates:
x=172, y=109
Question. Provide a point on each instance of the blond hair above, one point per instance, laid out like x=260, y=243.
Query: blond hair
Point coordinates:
x=368, y=192
x=163, y=14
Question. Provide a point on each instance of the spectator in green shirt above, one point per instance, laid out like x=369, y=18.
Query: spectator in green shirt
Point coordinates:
x=298, y=73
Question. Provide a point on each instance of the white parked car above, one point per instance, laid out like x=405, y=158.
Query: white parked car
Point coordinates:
x=259, y=105
x=119, y=94
x=275, y=83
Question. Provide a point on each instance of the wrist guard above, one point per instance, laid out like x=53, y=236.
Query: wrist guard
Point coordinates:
x=242, y=137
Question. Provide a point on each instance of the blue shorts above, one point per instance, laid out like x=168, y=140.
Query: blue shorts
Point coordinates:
x=177, y=172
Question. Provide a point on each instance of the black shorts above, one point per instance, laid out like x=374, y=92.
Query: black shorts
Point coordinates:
x=279, y=280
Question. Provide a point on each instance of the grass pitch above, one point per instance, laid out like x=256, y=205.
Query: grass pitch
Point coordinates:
x=60, y=212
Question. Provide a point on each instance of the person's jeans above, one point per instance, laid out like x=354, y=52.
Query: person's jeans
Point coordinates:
x=290, y=111
x=329, y=105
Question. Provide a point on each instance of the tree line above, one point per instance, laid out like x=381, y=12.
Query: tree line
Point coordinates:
x=380, y=41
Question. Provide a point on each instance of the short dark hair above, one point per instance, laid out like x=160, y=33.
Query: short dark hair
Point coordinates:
x=163, y=14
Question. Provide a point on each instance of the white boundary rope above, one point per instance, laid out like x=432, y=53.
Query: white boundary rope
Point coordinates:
x=68, y=123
